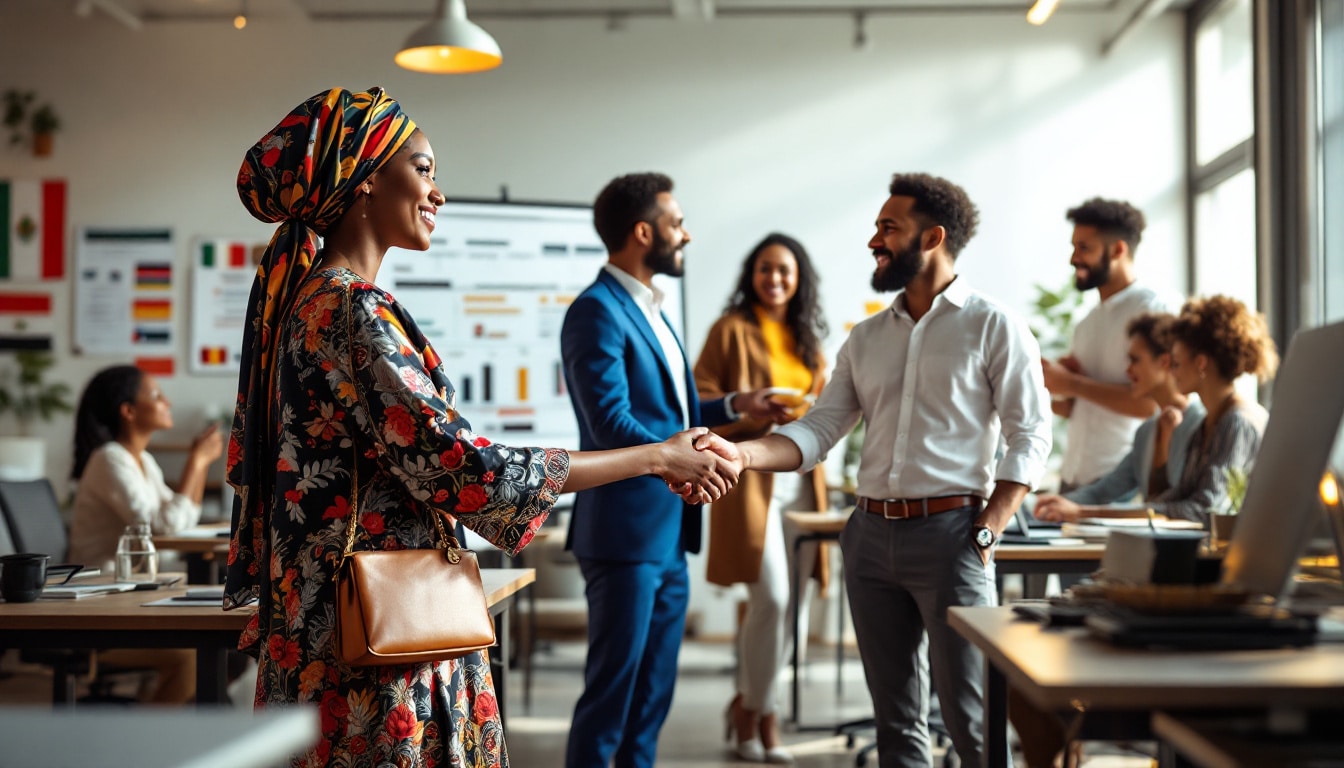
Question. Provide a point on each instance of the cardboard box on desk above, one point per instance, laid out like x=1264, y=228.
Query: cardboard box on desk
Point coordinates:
x=1153, y=557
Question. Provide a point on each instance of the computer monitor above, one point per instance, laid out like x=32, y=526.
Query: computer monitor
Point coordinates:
x=1282, y=506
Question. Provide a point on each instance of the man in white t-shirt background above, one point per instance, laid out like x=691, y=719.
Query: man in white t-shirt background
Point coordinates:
x=1089, y=386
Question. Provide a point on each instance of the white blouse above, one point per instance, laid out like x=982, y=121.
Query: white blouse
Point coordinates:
x=115, y=492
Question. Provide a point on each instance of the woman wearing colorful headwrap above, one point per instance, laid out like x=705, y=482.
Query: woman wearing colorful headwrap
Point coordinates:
x=339, y=387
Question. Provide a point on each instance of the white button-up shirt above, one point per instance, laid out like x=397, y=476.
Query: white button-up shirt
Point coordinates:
x=935, y=395
x=1098, y=438
x=650, y=302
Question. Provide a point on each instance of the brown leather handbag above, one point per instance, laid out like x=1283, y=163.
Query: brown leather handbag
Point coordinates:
x=408, y=606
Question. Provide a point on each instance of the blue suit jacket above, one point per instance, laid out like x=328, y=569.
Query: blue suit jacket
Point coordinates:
x=622, y=391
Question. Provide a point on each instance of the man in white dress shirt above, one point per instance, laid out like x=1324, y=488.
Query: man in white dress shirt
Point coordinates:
x=936, y=378
x=1090, y=387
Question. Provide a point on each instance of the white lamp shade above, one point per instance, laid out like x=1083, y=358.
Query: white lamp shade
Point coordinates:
x=449, y=44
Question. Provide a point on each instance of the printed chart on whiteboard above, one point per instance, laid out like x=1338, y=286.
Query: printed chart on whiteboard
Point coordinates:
x=491, y=294
x=124, y=293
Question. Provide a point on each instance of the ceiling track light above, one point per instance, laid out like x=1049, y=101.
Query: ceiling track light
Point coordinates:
x=1040, y=11
x=240, y=20
x=449, y=44
x=861, y=42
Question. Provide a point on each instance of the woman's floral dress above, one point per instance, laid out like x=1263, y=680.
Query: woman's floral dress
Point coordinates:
x=356, y=381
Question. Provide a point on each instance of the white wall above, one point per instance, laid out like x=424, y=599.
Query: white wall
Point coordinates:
x=765, y=124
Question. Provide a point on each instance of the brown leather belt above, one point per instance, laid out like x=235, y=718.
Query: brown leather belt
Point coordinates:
x=902, y=509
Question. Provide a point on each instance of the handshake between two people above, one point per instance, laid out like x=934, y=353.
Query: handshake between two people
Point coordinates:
x=699, y=466
x=702, y=466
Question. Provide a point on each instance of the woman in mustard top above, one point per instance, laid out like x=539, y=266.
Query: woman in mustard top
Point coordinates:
x=769, y=336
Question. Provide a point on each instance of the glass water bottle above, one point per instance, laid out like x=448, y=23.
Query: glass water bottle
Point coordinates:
x=137, y=560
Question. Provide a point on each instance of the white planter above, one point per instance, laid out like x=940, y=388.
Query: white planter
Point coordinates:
x=23, y=458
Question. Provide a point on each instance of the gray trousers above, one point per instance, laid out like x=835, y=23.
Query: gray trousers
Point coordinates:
x=902, y=576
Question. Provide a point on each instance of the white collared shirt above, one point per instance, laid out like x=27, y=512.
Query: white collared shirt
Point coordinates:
x=1098, y=438
x=650, y=302
x=935, y=395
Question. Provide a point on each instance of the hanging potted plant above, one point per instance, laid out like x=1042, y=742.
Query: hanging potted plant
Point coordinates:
x=44, y=123
x=28, y=124
x=25, y=394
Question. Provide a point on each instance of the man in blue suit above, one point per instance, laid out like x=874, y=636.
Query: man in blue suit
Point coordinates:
x=630, y=385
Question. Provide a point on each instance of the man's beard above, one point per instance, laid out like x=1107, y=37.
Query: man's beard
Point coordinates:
x=1097, y=276
x=901, y=267
x=662, y=257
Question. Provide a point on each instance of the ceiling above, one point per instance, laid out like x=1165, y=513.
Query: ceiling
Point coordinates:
x=132, y=11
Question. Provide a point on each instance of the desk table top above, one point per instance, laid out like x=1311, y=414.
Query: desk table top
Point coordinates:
x=127, y=610
x=1055, y=667
x=156, y=737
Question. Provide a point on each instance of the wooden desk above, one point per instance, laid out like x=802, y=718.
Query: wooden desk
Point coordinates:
x=203, y=550
x=1245, y=742
x=123, y=621
x=158, y=738
x=1055, y=668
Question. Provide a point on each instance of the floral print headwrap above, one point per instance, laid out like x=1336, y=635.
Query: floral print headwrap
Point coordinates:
x=304, y=173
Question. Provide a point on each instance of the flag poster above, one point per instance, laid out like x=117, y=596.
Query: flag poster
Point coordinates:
x=33, y=244
x=25, y=319
x=124, y=302
x=221, y=282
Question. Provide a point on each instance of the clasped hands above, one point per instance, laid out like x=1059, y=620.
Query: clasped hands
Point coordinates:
x=699, y=466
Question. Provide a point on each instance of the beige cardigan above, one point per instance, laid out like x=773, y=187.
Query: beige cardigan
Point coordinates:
x=735, y=359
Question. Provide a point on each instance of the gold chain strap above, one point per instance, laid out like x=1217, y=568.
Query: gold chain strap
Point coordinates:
x=447, y=543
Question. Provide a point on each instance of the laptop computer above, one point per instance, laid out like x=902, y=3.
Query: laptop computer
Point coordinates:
x=1026, y=529
x=1282, y=506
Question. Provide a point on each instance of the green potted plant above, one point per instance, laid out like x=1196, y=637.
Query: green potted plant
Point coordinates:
x=23, y=121
x=1222, y=521
x=16, y=113
x=1054, y=313
x=44, y=123
x=26, y=396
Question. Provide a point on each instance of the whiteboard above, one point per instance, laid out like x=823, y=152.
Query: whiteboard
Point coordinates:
x=491, y=294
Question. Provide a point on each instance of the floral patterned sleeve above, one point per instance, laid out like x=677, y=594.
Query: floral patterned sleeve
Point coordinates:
x=402, y=399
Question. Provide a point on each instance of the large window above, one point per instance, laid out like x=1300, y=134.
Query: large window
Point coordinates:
x=1224, y=114
x=1331, y=148
x=1222, y=174
x=1225, y=230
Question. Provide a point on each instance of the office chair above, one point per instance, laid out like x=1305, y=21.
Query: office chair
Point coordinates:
x=32, y=522
x=938, y=735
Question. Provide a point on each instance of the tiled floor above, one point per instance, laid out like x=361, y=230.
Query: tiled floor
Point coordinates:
x=693, y=734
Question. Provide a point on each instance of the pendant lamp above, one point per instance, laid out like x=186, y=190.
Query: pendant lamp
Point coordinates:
x=449, y=44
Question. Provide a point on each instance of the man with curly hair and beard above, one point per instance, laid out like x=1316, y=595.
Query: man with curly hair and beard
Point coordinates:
x=937, y=378
x=1089, y=385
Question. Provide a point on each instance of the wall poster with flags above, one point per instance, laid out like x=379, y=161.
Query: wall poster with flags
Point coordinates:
x=124, y=303
x=221, y=282
x=32, y=247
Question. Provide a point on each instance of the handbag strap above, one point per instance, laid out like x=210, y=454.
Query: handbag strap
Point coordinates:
x=448, y=543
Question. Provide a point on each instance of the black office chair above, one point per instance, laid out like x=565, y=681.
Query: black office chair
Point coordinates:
x=938, y=734
x=33, y=523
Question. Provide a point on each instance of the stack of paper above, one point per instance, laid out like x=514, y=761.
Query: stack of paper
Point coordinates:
x=77, y=591
x=1101, y=527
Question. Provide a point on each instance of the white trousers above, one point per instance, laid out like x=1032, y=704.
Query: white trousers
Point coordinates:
x=763, y=645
